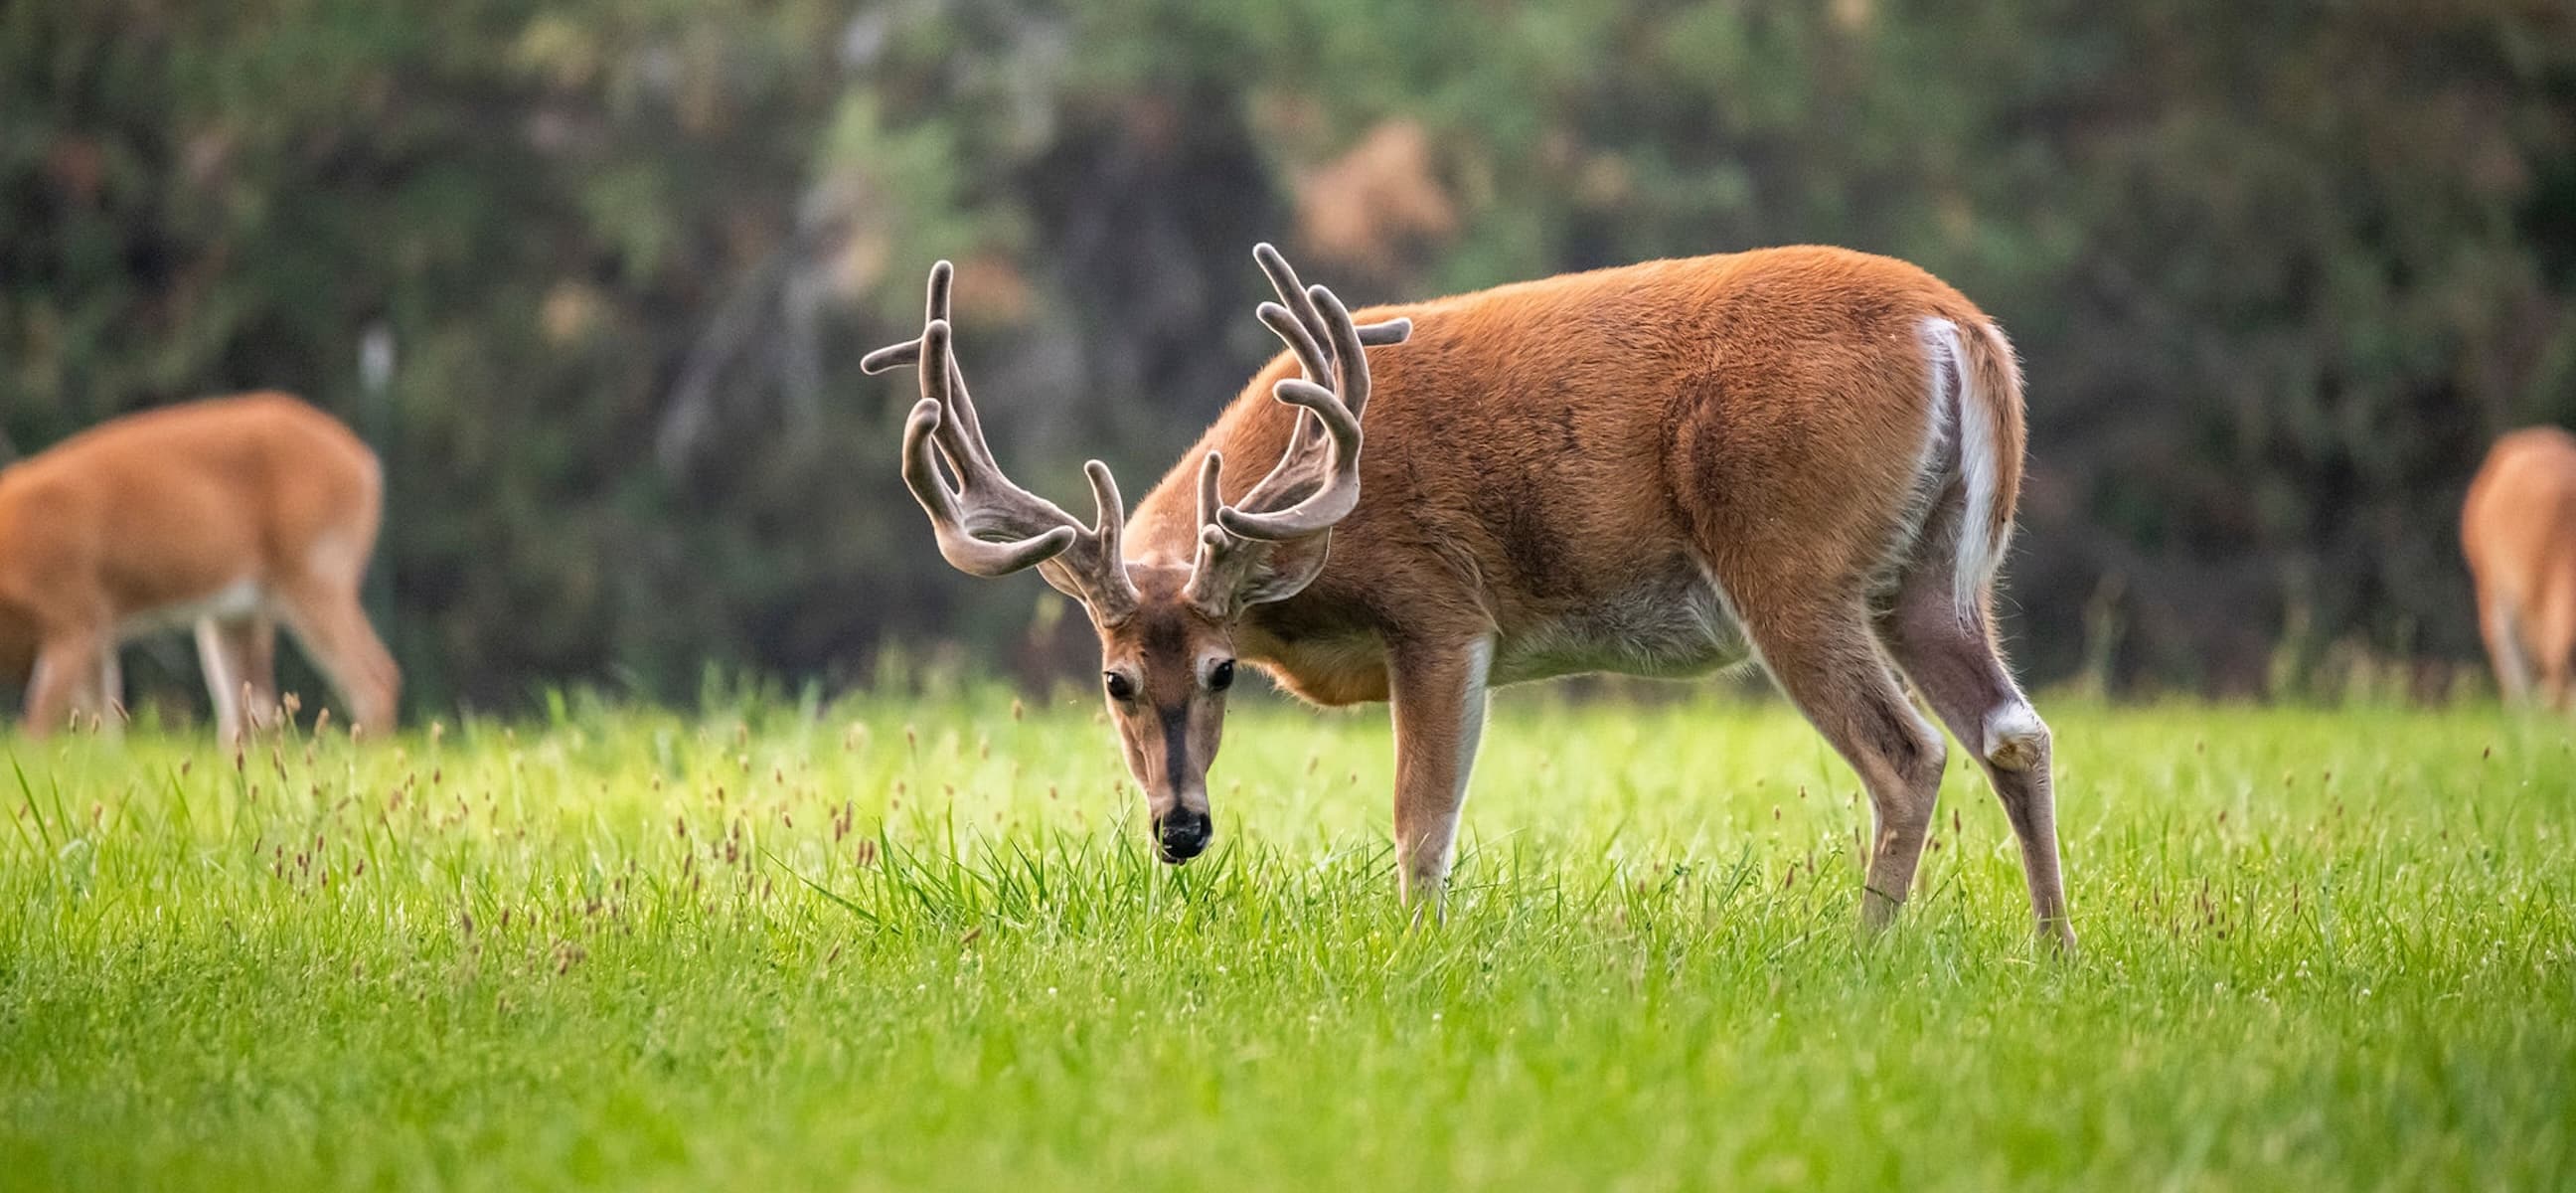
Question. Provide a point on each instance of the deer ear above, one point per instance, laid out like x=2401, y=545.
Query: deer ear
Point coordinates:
x=1074, y=584
x=1284, y=571
x=1062, y=579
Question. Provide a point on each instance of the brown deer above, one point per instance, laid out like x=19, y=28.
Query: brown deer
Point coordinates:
x=233, y=514
x=2518, y=529
x=1366, y=207
x=1805, y=455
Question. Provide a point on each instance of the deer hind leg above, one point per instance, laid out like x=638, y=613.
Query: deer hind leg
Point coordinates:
x=1832, y=668
x=2550, y=638
x=239, y=658
x=256, y=647
x=1951, y=656
x=2497, y=624
x=329, y=624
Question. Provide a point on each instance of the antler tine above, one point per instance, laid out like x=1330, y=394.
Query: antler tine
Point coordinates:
x=1316, y=482
x=1301, y=342
x=1337, y=414
x=1299, y=301
x=1382, y=334
x=1322, y=456
x=962, y=550
x=1352, y=377
x=962, y=437
x=1311, y=361
x=968, y=427
x=982, y=499
x=1084, y=561
x=962, y=431
x=1306, y=339
x=1292, y=293
x=1331, y=501
x=1109, y=519
x=890, y=358
x=895, y=356
x=1209, y=502
x=1318, y=366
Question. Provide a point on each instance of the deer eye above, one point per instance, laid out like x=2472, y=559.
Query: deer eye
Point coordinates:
x=1121, y=689
x=1221, y=676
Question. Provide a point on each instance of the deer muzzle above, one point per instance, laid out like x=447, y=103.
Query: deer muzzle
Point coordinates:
x=1183, y=833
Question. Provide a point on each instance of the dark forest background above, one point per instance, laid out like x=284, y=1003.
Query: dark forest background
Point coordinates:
x=595, y=276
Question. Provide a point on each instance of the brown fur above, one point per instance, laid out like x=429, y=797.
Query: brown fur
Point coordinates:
x=170, y=508
x=1758, y=403
x=1574, y=460
x=2518, y=529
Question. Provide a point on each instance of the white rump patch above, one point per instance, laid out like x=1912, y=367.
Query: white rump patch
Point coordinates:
x=1979, y=546
x=1940, y=352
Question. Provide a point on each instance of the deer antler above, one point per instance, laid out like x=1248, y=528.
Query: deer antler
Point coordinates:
x=1316, y=482
x=987, y=525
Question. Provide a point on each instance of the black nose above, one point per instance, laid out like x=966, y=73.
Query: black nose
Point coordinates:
x=1184, y=834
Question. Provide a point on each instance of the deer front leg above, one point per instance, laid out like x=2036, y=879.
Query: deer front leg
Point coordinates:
x=1437, y=692
x=71, y=668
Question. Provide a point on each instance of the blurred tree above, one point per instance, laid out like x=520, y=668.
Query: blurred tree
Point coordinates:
x=2278, y=274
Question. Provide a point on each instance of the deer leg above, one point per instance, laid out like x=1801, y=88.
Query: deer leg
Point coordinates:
x=2504, y=648
x=219, y=656
x=254, y=643
x=331, y=627
x=1437, y=694
x=1953, y=661
x=110, y=713
x=1833, y=669
x=2553, y=639
x=65, y=682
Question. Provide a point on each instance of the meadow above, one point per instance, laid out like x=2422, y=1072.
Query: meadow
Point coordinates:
x=905, y=945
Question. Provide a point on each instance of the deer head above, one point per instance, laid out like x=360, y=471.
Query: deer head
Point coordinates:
x=1166, y=626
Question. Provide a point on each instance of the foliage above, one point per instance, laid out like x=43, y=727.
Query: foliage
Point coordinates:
x=2278, y=274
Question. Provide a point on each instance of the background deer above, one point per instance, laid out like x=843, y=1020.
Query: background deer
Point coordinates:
x=2518, y=529
x=1806, y=455
x=233, y=514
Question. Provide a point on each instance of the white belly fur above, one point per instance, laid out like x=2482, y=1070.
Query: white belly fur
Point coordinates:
x=239, y=599
x=1667, y=626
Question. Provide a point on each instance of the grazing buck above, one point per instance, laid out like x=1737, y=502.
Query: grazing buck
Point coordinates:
x=231, y=513
x=2518, y=529
x=1807, y=455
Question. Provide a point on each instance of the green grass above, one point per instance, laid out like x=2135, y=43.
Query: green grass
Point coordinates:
x=904, y=946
